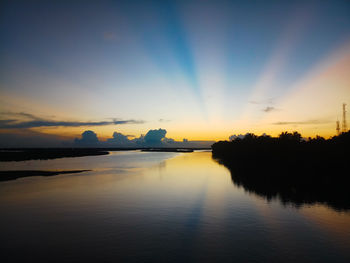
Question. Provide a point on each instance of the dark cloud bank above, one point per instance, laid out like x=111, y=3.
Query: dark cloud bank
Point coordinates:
x=308, y=122
x=269, y=109
x=24, y=120
x=15, y=124
x=153, y=138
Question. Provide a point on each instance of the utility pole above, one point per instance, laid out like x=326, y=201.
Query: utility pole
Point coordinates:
x=338, y=128
x=345, y=128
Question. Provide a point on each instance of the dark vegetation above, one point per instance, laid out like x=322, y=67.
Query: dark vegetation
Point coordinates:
x=295, y=170
x=47, y=153
x=13, y=175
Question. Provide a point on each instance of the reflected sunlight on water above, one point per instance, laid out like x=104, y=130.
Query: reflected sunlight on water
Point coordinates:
x=141, y=207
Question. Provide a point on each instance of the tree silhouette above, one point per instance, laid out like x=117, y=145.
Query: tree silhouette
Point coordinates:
x=295, y=170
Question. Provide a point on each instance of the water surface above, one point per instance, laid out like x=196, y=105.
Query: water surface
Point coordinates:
x=156, y=207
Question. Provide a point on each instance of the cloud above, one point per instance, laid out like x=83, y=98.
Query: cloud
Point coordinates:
x=88, y=138
x=168, y=141
x=14, y=124
x=151, y=139
x=6, y=122
x=308, y=122
x=154, y=137
x=29, y=138
x=36, y=122
x=119, y=139
x=163, y=120
x=269, y=109
x=265, y=101
x=239, y=136
x=21, y=114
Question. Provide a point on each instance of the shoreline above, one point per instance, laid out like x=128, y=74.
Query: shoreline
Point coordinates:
x=15, y=174
x=16, y=155
x=27, y=154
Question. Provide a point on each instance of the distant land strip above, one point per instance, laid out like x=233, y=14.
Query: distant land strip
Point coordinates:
x=26, y=154
x=13, y=175
x=8, y=155
x=178, y=150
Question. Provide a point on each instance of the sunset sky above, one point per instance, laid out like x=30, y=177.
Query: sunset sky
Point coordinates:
x=202, y=70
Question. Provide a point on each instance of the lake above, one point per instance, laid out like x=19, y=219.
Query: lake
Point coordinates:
x=158, y=207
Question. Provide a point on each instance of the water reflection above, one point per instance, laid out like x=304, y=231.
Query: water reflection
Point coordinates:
x=290, y=185
x=175, y=208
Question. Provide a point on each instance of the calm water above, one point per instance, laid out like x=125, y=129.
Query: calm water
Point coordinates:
x=157, y=207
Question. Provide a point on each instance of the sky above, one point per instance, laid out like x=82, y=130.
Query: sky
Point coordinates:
x=201, y=70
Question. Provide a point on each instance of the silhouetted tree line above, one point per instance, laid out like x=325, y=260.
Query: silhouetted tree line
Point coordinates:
x=290, y=168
